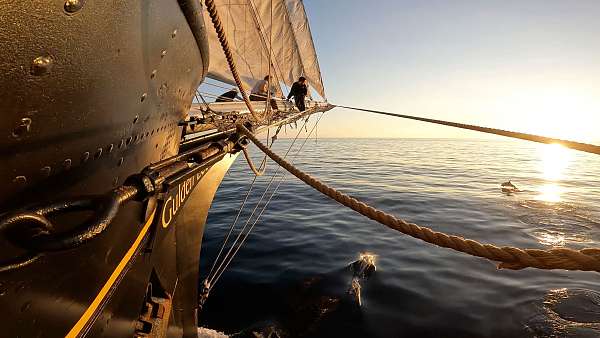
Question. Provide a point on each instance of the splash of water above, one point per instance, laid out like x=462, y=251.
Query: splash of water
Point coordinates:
x=362, y=269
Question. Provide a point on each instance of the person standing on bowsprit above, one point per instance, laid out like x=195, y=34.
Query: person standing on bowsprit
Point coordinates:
x=299, y=91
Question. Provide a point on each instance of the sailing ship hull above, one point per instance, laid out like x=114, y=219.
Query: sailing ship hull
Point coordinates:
x=93, y=92
x=103, y=198
x=101, y=290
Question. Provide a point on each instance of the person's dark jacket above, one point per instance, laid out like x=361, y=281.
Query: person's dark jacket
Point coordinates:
x=227, y=97
x=298, y=90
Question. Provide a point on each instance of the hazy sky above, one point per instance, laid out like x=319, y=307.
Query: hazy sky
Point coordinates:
x=530, y=66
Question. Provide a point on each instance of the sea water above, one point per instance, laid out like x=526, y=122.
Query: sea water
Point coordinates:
x=292, y=275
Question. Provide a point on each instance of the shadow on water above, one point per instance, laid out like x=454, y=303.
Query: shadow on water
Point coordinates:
x=326, y=305
x=567, y=313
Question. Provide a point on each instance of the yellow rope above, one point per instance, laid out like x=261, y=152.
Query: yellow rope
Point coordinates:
x=509, y=257
x=214, y=16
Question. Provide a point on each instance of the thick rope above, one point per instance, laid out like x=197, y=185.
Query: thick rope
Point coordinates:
x=214, y=16
x=509, y=257
x=585, y=147
x=251, y=164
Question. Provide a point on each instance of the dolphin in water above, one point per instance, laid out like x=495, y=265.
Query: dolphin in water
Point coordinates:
x=362, y=269
x=509, y=187
x=318, y=302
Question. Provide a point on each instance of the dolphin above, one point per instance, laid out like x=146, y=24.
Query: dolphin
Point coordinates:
x=509, y=187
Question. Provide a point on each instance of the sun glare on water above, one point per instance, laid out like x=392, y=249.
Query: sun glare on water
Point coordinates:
x=555, y=159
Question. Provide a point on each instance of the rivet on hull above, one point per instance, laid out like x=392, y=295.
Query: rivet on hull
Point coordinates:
x=41, y=65
x=163, y=54
x=110, y=148
x=72, y=6
x=22, y=128
x=85, y=157
x=46, y=171
x=98, y=153
x=67, y=164
x=20, y=180
x=25, y=307
x=153, y=74
x=174, y=33
x=143, y=97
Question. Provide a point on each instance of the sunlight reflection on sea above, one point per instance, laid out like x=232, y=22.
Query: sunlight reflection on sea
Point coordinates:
x=418, y=290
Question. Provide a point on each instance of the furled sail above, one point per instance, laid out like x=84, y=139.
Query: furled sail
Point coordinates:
x=256, y=27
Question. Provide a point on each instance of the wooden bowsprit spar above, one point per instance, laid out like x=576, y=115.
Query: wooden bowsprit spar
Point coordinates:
x=585, y=147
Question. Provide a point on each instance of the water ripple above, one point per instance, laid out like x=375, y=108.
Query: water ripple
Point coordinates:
x=418, y=289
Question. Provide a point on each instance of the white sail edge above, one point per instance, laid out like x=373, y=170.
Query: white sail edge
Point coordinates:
x=250, y=31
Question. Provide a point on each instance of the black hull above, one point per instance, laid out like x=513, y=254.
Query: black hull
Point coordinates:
x=99, y=288
x=92, y=93
x=102, y=200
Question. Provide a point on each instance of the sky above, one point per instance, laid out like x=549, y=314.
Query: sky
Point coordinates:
x=531, y=66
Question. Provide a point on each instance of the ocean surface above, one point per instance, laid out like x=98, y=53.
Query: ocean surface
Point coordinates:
x=293, y=274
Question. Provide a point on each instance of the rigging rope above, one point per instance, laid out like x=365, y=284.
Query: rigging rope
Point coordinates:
x=509, y=257
x=211, y=278
x=237, y=216
x=226, y=240
x=229, y=258
x=261, y=29
x=213, y=281
x=214, y=16
x=216, y=85
x=215, y=96
x=588, y=148
x=268, y=111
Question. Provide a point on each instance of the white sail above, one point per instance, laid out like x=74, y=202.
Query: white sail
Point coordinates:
x=253, y=28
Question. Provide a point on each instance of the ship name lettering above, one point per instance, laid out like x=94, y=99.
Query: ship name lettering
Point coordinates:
x=173, y=203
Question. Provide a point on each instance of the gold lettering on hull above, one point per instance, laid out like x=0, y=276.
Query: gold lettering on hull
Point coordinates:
x=177, y=198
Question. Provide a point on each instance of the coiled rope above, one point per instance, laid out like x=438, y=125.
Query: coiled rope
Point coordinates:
x=216, y=20
x=508, y=257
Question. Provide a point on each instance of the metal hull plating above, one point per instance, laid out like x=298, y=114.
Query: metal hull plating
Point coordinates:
x=92, y=93
x=90, y=96
x=99, y=291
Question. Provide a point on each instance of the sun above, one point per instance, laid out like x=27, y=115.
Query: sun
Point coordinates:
x=554, y=112
x=554, y=161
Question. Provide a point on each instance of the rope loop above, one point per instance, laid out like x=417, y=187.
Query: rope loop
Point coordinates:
x=251, y=163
